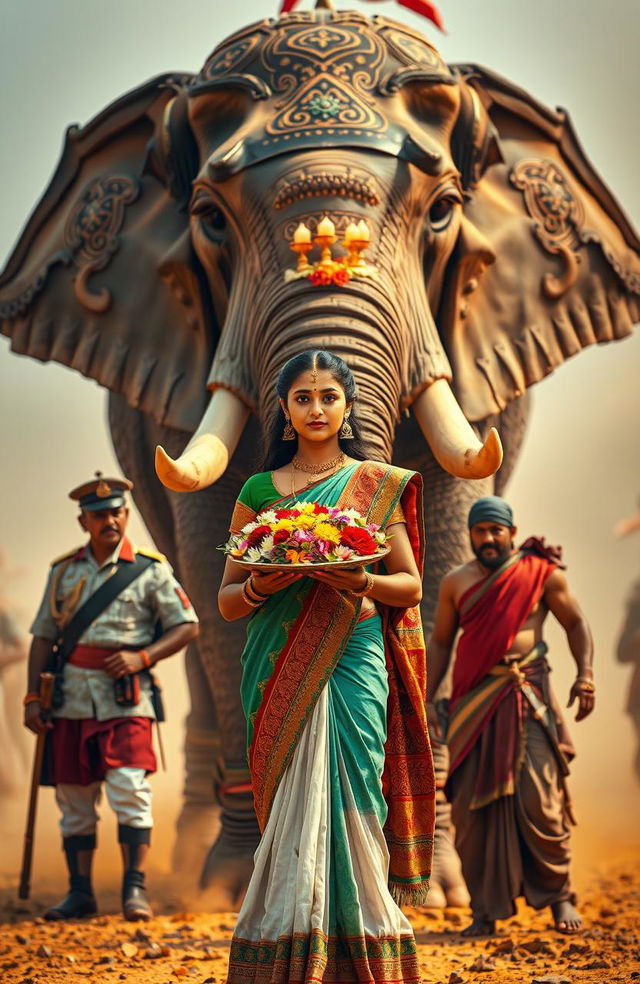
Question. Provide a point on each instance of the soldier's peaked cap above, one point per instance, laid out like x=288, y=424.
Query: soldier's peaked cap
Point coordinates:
x=101, y=493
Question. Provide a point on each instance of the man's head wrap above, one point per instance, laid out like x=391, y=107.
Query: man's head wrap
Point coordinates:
x=491, y=509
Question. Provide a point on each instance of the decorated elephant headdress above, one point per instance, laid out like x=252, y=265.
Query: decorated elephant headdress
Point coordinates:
x=111, y=277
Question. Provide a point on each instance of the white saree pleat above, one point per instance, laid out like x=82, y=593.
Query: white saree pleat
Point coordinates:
x=289, y=892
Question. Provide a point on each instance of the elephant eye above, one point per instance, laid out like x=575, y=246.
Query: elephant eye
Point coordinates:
x=441, y=213
x=205, y=209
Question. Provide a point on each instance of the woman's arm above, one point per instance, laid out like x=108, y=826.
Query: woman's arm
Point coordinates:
x=400, y=587
x=231, y=598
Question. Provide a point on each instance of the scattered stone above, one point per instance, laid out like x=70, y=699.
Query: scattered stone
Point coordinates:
x=482, y=964
x=22, y=940
x=141, y=936
x=180, y=971
x=153, y=952
x=577, y=949
x=454, y=978
x=69, y=957
x=551, y=979
x=505, y=946
x=538, y=946
x=44, y=951
x=606, y=913
x=105, y=960
x=596, y=965
x=129, y=949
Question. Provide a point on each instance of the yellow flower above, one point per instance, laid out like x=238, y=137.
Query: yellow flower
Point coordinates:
x=321, y=517
x=305, y=522
x=284, y=524
x=327, y=532
x=306, y=507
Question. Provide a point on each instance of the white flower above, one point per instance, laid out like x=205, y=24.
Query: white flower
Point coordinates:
x=351, y=513
x=250, y=527
x=268, y=516
x=253, y=555
x=380, y=537
x=266, y=546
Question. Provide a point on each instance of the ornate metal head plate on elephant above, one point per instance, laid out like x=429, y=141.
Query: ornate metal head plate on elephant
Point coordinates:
x=155, y=263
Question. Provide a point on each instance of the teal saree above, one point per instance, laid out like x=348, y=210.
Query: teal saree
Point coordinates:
x=339, y=782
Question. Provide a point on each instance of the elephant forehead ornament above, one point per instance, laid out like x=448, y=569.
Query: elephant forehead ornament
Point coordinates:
x=156, y=260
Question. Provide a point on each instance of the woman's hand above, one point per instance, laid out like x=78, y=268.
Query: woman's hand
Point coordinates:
x=270, y=582
x=342, y=579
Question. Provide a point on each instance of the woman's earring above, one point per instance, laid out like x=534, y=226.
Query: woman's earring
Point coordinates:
x=345, y=431
x=288, y=433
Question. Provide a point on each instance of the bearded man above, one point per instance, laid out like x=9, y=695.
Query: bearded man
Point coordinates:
x=508, y=746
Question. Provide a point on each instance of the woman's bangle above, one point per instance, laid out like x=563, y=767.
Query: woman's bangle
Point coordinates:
x=146, y=658
x=30, y=698
x=363, y=592
x=253, y=591
x=250, y=601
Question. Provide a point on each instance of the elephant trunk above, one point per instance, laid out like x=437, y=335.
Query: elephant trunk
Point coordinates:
x=373, y=326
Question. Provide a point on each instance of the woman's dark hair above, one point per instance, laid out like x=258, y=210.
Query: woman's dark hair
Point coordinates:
x=278, y=452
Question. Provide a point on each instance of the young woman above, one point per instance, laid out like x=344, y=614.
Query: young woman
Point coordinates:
x=333, y=692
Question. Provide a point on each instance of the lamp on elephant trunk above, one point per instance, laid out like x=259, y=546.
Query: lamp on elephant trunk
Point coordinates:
x=356, y=239
x=301, y=245
x=325, y=237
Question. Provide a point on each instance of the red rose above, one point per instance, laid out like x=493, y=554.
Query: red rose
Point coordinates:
x=320, y=278
x=359, y=540
x=256, y=535
x=280, y=536
x=318, y=508
x=287, y=513
x=341, y=277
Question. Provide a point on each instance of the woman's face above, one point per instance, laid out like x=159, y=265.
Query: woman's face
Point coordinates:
x=316, y=404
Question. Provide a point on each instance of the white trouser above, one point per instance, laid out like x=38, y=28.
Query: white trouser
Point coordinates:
x=128, y=793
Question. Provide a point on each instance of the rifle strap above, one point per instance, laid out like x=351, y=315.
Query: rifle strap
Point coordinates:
x=125, y=574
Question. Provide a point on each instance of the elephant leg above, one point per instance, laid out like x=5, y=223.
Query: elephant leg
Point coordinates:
x=218, y=803
x=198, y=822
x=447, y=503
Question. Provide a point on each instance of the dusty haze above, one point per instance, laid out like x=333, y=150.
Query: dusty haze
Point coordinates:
x=62, y=62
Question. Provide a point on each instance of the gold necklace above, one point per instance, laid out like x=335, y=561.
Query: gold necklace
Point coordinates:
x=304, y=466
x=334, y=464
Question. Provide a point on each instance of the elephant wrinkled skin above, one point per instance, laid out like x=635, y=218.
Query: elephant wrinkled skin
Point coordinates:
x=155, y=263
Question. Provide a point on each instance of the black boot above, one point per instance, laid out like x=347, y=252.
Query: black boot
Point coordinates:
x=79, y=900
x=135, y=905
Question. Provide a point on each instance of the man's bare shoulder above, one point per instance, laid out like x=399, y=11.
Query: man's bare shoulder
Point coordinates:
x=457, y=581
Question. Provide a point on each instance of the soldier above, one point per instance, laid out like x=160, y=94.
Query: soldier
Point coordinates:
x=109, y=613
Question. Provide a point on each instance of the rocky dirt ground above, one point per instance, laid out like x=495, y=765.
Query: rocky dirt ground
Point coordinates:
x=186, y=945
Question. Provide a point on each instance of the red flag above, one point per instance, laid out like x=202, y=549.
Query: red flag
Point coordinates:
x=423, y=7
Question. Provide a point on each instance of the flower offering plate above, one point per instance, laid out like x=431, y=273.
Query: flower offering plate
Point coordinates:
x=325, y=566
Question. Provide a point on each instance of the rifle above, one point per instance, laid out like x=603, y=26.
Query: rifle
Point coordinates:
x=46, y=690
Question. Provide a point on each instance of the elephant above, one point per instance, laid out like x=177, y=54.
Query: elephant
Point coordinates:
x=159, y=262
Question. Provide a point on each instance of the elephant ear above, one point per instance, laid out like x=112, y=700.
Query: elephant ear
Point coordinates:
x=103, y=278
x=546, y=262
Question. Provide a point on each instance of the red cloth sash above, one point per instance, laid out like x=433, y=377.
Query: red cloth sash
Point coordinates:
x=81, y=751
x=313, y=649
x=90, y=657
x=483, y=706
x=491, y=624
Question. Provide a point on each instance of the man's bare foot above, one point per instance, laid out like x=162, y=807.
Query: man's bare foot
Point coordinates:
x=566, y=918
x=479, y=927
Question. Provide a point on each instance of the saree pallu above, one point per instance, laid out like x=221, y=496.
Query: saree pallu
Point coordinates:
x=341, y=770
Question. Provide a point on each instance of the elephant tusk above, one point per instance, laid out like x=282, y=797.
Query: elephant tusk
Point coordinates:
x=450, y=436
x=207, y=454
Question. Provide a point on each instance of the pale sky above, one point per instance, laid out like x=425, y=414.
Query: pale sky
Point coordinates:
x=63, y=61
